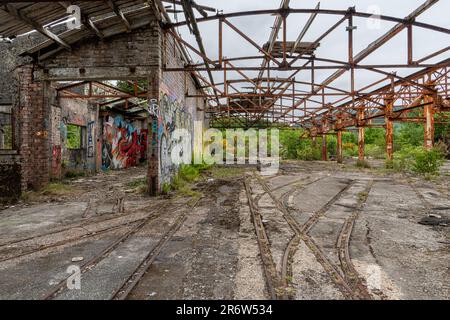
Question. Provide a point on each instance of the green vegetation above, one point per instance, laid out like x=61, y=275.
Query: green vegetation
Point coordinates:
x=7, y=136
x=73, y=136
x=138, y=185
x=418, y=160
x=129, y=87
x=183, y=180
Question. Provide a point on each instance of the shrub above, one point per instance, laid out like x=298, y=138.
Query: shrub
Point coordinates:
x=309, y=153
x=418, y=160
x=375, y=151
x=428, y=162
x=362, y=164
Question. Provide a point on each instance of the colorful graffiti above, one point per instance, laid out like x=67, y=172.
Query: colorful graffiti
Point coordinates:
x=123, y=144
x=90, y=152
x=56, y=162
x=172, y=115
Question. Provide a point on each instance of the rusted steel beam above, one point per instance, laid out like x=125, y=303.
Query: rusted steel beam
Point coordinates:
x=324, y=12
x=389, y=102
x=273, y=36
x=253, y=43
x=189, y=13
x=324, y=148
x=429, y=110
x=361, y=135
x=305, y=29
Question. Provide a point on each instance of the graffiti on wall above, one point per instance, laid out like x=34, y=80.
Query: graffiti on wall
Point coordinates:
x=56, y=161
x=90, y=146
x=124, y=145
x=172, y=115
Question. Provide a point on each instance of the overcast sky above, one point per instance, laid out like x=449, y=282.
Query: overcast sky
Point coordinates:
x=335, y=45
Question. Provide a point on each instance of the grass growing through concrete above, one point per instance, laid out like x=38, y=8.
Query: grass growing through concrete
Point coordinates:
x=53, y=189
x=223, y=172
x=138, y=185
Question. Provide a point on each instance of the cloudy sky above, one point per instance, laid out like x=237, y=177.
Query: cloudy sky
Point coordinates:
x=335, y=45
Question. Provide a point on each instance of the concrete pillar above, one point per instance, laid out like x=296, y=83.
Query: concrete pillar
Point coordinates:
x=361, y=132
x=324, y=148
x=389, y=102
x=429, y=122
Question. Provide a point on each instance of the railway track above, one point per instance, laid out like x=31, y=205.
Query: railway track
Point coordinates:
x=273, y=280
x=342, y=246
x=83, y=236
x=65, y=228
x=131, y=282
x=350, y=284
x=136, y=276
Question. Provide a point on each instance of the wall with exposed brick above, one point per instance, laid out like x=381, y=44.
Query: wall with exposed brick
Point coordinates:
x=176, y=111
x=41, y=117
x=33, y=128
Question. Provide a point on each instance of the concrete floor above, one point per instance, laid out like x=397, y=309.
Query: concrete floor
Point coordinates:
x=213, y=253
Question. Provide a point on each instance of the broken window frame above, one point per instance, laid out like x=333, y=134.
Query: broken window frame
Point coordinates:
x=82, y=133
x=7, y=110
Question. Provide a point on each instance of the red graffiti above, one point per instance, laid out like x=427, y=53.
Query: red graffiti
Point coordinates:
x=56, y=161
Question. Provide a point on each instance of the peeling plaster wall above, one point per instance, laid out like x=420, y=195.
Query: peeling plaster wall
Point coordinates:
x=81, y=113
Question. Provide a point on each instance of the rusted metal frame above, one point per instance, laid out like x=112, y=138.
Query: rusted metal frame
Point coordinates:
x=195, y=5
x=324, y=35
x=181, y=41
x=188, y=11
x=383, y=39
x=253, y=43
x=416, y=84
x=241, y=73
x=73, y=85
x=212, y=86
x=284, y=63
x=120, y=14
x=15, y=13
x=424, y=87
x=85, y=20
x=273, y=37
x=292, y=76
x=410, y=44
x=270, y=103
x=220, y=41
x=305, y=29
x=430, y=56
x=327, y=12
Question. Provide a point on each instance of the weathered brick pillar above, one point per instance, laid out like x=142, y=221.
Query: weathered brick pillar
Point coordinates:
x=153, y=157
x=33, y=129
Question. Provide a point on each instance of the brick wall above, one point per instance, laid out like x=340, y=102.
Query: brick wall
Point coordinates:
x=128, y=49
x=33, y=129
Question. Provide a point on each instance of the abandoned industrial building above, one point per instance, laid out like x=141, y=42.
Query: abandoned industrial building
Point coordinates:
x=349, y=107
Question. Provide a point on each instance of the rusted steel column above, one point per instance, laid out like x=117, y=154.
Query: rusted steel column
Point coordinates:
x=361, y=132
x=340, y=157
x=429, y=122
x=324, y=148
x=389, y=102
